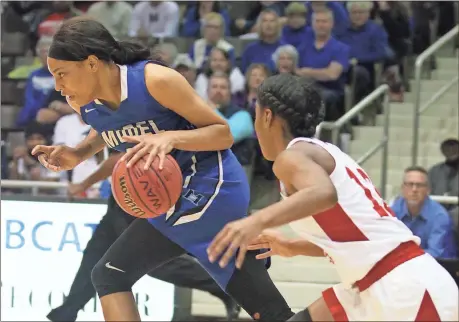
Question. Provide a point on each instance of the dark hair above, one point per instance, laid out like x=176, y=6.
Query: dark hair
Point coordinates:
x=294, y=99
x=34, y=127
x=78, y=38
x=208, y=71
x=416, y=168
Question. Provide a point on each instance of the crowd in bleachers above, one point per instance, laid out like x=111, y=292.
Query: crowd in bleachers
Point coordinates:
x=225, y=49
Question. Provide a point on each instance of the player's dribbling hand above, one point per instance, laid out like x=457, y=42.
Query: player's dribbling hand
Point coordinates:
x=159, y=144
x=234, y=236
x=272, y=240
x=57, y=157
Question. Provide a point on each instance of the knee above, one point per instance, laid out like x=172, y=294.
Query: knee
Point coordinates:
x=362, y=74
x=108, y=279
x=330, y=97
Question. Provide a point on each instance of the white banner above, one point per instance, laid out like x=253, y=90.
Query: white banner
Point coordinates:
x=41, y=250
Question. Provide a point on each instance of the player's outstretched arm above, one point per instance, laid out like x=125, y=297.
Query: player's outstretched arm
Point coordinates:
x=313, y=193
x=90, y=146
x=313, y=190
x=277, y=244
x=62, y=157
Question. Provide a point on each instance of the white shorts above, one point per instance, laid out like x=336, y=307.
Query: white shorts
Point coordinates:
x=417, y=290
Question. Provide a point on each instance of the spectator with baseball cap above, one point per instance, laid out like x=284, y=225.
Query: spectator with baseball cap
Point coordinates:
x=185, y=66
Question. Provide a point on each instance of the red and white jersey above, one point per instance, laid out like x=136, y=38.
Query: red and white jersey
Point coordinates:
x=360, y=229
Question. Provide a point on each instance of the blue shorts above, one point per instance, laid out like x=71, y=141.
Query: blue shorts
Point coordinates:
x=211, y=198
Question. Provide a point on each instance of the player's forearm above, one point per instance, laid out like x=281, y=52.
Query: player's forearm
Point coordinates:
x=320, y=74
x=195, y=140
x=91, y=145
x=301, y=247
x=103, y=172
x=304, y=203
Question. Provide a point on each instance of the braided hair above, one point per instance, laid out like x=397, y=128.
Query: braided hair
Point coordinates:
x=294, y=99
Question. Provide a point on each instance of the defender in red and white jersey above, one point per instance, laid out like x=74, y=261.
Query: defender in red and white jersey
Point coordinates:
x=333, y=205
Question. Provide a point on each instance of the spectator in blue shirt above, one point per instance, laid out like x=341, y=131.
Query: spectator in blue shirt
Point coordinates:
x=325, y=60
x=239, y=120
x=295, y=32
x=39, y=85
x=340, y=14
x=261, y=51
x=368, y=44
x=426, y=218
x=213, y=34
x=247, y=24
x=195, y=14
x=367, y=40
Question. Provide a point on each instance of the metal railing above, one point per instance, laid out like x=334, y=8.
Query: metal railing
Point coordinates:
x=418, y=109
x=35, y=185
x=450, y=200
x=447, y=200
x=335, y=127
x=47, y=185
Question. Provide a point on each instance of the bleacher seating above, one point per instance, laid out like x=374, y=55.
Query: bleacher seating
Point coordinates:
x=13, y=92
x=438, y=122
x=8, y=116
x=14, y=44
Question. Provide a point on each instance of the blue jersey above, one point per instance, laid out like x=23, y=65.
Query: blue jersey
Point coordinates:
x=215, y=188
x=140, y=113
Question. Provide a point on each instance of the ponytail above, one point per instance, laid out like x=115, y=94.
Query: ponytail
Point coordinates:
x=80, y=37
x=129, y=52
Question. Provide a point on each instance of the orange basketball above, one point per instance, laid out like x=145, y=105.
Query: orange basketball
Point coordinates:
x=147, y=193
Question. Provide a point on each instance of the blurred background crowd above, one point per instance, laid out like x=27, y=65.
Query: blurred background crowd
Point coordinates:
x=225, y=49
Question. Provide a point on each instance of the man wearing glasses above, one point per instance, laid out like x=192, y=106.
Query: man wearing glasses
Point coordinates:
x=425, y=217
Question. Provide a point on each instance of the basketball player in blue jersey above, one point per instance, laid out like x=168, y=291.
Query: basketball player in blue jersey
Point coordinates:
x=144, y=108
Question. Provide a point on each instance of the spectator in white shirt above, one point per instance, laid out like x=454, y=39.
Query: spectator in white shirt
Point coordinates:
x=155, y=18
x=70, y=130
x=114, y=15
x=219, y=61
x=213, y=35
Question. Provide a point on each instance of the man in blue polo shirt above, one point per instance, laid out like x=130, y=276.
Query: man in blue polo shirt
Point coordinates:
x=426, y=218
x=262, y=50
x=368, y=43
x=367, y=40
x=325, y=60
x=340, y=15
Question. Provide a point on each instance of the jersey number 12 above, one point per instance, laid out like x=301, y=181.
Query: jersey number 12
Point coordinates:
x=380, y=206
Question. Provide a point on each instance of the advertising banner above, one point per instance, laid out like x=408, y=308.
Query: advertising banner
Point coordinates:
x=41, y=250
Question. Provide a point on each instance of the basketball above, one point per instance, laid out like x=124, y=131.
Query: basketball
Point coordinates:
x=147, y=193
